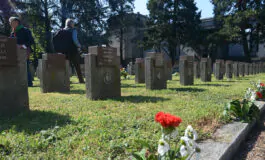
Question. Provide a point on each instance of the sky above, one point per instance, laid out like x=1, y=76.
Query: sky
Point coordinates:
x=204, y=6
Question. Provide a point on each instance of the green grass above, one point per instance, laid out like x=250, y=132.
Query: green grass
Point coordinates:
x=69, y=126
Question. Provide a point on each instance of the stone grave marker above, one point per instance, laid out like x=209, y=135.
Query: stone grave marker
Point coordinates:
x=139, y=70
x=236, y=69
x=241, y=67
x=186, y=70
x=250, y=70
x=196, y=70
x=13, y=72
x=229, y=69
x=246, y=69
x=206, y=69
x=218, y=70
x=102, y=67
x=131, y=68
x=155, y=72
x=254, y=68
x=222, y=66
x=54, y=73
x=169, y=70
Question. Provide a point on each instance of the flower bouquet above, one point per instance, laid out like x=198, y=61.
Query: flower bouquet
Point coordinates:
x=124, y=74
x=257, y=93
x=168, y=146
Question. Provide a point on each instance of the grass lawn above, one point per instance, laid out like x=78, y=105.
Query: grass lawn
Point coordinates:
x=69, y=126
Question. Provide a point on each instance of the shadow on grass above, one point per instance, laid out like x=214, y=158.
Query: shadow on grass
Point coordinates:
x=31, y=122
x=213, y=85
x=131, y=86
x=187, y=89
x=140, y=99
x=77, y=91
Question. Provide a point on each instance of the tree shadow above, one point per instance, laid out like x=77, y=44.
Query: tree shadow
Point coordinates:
x=77, y=91
x=31, y=122
x=214, y=85
x=132, y=85
x=187, y=89
x=140, y=99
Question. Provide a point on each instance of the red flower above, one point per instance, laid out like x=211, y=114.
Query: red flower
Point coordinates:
x=167, y=120
x=262, y=84
x=259, y=94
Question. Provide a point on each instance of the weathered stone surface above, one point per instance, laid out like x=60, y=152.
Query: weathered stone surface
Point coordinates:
x=13, y=79
x=139, y=70
x=246, y=69
x=206, y=69
x=250, y=68
x=229, y=69
x=241, y=68
x=236, y=69
x=155, y=72
x=54, y=73
x=196, y=70
x=222, y=66
x=218, y=71
x=131, y=68
x=102, y=80
x=169, y=70
x=186, y=70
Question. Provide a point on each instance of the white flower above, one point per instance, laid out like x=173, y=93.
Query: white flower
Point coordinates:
x=183, y=151
x=191, y=133
x=253, y=96
x=163, y=147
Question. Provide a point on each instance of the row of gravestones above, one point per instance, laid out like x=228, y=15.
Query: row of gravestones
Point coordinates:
x=102, y=72
x=189, y=69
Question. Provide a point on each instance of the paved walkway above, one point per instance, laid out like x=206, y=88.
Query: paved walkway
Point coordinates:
x=254, y=146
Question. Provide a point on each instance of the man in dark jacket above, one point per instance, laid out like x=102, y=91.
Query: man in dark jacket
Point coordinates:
x=24, y=37
x=68, y=44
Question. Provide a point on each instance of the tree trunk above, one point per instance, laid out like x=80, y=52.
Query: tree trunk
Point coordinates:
x=48, y=45
x=121, y=46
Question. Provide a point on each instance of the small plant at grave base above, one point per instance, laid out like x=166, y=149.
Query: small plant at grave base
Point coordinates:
x=245, y=111
x=124, y=74
x=258, y=92
x=168, y=146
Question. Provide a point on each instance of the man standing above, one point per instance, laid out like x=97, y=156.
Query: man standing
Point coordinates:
x=24, y=38
x=66, y=42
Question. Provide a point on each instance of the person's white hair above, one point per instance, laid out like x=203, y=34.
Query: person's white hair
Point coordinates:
x=11, y=19
x=69, y=22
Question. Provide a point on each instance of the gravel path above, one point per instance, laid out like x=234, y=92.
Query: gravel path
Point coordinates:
x=254, y=146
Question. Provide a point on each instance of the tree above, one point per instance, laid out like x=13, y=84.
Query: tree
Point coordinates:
x=241, y=21
x=173, y=22
x=120, y=8
x=6, y=10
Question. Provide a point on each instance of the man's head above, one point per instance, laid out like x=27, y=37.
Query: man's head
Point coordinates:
x=69, y=23
x=14, y=22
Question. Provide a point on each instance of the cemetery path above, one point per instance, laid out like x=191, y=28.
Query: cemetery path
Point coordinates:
x=254, y=146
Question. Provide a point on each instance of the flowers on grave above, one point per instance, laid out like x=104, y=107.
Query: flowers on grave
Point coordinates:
x=124, y=73
x=167, y=146
x=259, y=90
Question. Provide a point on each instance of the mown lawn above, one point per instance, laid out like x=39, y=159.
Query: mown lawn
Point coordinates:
x=69, y=126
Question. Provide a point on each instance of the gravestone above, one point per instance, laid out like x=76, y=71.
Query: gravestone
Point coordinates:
x=196, y=69
x=222, y=66
x=206, y=69
x=155, y=72
x=82, y=67
x=186, y=70
x=13, y=72
x=229, y=69
x=169, y=70
x=236, y=69
x=250, y=70
x=241, y=68
x=254, y=68
x=139, y=70
x=131, y=68
x=102, y=67
x=218, y=71
x=246, y=69
x=54, y=73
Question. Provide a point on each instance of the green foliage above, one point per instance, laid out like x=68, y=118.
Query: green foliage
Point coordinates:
x=172, y=23
x=245, y=111
x=238, y=20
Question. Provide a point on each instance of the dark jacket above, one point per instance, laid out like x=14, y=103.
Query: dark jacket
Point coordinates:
x=24, y=37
